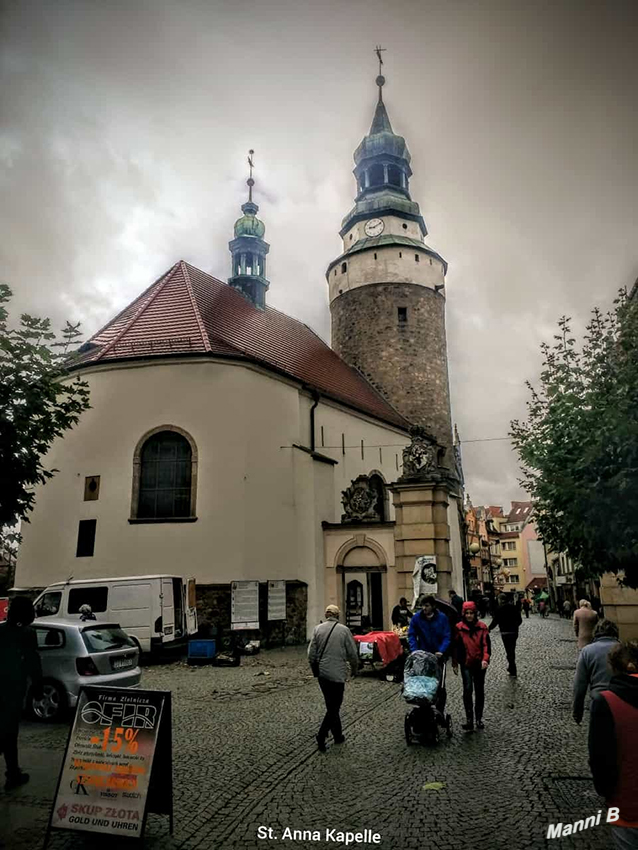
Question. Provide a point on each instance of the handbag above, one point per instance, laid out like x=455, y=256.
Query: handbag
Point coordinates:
x=314, y=666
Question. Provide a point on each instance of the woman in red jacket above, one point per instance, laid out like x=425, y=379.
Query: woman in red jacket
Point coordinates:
x=472, y=653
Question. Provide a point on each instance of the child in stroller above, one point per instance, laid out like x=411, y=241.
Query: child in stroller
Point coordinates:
x=424, y=688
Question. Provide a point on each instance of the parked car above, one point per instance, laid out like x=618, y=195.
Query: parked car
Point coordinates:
x=157, y=611
x=75, y=654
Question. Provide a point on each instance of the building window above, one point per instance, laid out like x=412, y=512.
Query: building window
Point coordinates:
x=362, y=451
x=92, y=488
x=417, y=259
x=164, y=476
x=400, y=254
x=509, y=545
x=430, y=260
x=394, y=176
x=375, y=256
x=322, y=442
x=86, y=538
x=351, y=237
x=343, y=444
x=402, y=315
x=344, y=267
x=377, y=486
x=405, y=227
x=335, y=272
x=510, y=562
x=377, y=175
x=513, y=578
x=96, y=597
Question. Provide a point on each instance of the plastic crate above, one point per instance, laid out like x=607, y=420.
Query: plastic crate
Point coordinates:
x=201, y=649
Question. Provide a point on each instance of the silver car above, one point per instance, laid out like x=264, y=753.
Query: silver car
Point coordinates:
x=76, y=653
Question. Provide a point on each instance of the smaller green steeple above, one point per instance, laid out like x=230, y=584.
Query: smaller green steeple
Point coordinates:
x=248, y=250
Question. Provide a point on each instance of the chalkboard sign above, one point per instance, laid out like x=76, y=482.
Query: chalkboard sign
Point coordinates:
x=118, y=763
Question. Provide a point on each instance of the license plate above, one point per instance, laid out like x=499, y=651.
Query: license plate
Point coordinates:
x=119, y=663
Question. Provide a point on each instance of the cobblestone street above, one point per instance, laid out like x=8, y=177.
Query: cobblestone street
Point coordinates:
x=245, y=756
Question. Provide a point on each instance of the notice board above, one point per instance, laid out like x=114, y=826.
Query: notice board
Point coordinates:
x=118, y=763
x=276, y=600
x=244, y=605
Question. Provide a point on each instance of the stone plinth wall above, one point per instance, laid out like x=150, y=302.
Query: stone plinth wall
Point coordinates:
x=214, y=610
x=406, y=361
x=421, y=529
x=621, y=606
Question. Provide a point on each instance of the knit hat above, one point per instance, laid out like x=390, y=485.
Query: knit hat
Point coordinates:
x=469, y=606
x=332, y=610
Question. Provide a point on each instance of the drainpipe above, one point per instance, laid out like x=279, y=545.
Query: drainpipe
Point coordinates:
x=316, y=397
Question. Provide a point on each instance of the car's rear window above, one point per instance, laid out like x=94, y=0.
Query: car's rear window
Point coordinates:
x=103, y=638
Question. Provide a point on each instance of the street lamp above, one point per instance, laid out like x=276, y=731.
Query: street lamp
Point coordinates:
x=474, y=549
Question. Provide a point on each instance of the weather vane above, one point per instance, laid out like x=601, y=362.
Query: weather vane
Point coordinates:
x=250, y=180
x=380, y=79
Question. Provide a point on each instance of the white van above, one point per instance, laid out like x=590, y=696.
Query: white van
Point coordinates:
x=156, y=611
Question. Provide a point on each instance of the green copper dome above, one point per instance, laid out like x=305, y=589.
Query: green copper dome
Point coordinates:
x=249, y=224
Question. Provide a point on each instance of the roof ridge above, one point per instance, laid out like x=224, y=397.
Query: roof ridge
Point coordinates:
x=198, y=316
x=161, y=283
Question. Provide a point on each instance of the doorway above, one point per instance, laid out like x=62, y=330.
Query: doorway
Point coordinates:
x=363, y=599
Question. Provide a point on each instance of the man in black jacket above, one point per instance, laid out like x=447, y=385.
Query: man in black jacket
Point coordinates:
x=507, y=618
x=613, y=743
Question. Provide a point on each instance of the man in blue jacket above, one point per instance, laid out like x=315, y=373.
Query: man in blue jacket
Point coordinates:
x=429, y=629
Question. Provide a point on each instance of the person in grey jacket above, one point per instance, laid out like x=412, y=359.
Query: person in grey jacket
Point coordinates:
x=593, y=671
x=332, y=648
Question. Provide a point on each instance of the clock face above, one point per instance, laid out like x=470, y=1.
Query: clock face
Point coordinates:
x=374, y=227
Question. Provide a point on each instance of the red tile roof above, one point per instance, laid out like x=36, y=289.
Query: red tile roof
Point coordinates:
x=189, y=312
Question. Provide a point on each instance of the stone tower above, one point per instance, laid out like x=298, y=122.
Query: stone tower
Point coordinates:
x=248, y=250
x=387, y=299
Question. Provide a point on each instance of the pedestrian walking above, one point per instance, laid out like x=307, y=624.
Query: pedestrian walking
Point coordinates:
x=457, y=601
x=471, y=652
x=613, y=743
x=508, y=618
x=429, y=629
x=331, y=649
x=526, y=606
x=567, y=609
x=593, y=670
x=584, y=621
x=19, y=663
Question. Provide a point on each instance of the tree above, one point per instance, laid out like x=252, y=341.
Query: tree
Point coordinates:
x=38, y=402
x=579, y=445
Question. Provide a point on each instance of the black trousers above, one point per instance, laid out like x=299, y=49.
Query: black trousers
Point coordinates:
x=509, y=642
x=473, y=680
x=333, y=695
x=527, y=612
x=9, y=746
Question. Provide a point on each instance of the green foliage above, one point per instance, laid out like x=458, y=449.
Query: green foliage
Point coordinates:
x=38, y=402
x=579, y=445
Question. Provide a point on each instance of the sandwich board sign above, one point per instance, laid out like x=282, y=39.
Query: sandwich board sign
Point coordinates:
x=117, y=766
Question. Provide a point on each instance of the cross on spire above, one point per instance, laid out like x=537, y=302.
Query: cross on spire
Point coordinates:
x=380, y=79
x=250, y=180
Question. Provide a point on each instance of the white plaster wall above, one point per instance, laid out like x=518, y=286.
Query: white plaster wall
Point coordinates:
x=393, y=264
x=393, y=227
x=247, y=516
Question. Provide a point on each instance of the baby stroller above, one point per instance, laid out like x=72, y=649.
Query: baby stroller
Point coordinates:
x=424, y=688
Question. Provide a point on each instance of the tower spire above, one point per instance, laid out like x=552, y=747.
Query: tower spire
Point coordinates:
x=380, y=81
x=248, y=249
x=250, y=182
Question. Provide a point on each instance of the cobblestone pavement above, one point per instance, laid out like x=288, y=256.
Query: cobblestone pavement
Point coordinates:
x=245, y=756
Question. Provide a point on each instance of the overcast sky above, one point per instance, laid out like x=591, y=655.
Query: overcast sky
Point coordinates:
x=125, y=126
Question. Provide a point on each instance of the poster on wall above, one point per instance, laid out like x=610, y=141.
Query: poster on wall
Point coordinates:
x=117, y=765
x=424, y=579
x=276, y=600
x=244, y=605
x=4, y=608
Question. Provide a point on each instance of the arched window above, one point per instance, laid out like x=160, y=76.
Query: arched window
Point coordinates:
x=394, y=176
x=377, y=175
x=376, y=484
x=164, y=474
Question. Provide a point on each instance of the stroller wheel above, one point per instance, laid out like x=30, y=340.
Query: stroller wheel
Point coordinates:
x=408, y=730
x=432, y=736
x=448, y=725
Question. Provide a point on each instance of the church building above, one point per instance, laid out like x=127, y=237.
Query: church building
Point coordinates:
x=228, y=442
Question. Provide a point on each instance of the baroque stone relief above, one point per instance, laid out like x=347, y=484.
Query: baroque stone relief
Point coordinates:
x=360, y=501
x=421, y=459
